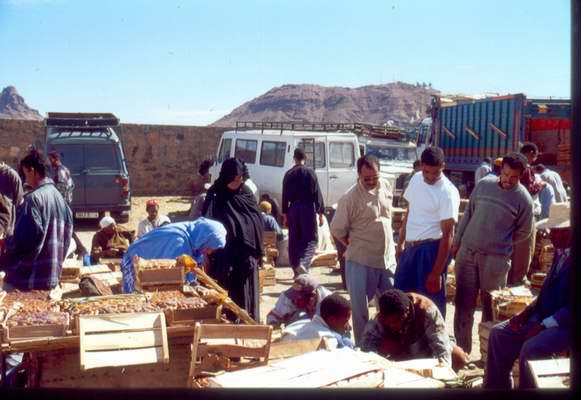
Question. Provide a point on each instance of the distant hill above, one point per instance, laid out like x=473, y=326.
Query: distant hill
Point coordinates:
x=404, y=104
x=13, y=106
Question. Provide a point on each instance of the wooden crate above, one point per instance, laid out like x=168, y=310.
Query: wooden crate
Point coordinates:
x=36, y=331
x=70, y=272
x=210, y=314
x=94, y=269
x=114, y=340
x=269, y=276
x=327, y=259
x=155, y=277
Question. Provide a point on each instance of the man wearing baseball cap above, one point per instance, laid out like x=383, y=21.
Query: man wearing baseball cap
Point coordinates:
x=301, y=301
x=543, y=328
x=111, y=240
x=153, y=220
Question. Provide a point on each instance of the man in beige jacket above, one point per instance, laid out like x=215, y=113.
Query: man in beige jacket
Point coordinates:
x=362, y=223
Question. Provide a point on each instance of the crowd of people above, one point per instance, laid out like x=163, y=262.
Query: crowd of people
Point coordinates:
x=492, y=246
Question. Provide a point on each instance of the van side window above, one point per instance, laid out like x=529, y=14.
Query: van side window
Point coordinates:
x=341, y=155
x=272, y=153
x=320, y=157
x=224, y=150
x=246, y=150
x=101, y=157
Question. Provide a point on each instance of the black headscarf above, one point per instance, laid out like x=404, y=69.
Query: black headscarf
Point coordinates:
x=236, y=209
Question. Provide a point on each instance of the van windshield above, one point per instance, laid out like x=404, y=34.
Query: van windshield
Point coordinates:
x=392, y=153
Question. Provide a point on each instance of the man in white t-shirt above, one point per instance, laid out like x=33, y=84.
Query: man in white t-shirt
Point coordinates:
x=425, y=238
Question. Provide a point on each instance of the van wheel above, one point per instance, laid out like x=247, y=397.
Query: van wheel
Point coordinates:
x=120, y=217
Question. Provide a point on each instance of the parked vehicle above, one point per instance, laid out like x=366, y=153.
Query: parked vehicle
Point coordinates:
x=267, y=149
x=471, y=130
x=396, y=157
x=90, y=148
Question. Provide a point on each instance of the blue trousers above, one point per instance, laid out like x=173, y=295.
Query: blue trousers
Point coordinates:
x=415, y=264
x=505, y=346
x=302, y=234
x=363, y=283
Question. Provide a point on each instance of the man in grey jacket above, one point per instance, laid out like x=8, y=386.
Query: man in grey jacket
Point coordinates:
x=498, y=217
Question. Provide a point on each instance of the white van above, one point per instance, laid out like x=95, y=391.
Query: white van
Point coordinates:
x=268, y=153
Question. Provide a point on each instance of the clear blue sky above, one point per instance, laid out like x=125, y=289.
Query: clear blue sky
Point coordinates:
x=191, y=62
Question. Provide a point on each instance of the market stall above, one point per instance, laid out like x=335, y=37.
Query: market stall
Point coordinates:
x=47, y=329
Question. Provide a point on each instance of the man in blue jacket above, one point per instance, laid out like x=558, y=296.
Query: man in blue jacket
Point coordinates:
x=544, y=327
x=34, y=255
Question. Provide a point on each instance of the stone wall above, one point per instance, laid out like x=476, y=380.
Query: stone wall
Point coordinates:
x=162, y=159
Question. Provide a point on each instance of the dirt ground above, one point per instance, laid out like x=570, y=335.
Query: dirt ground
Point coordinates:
x=177, y=209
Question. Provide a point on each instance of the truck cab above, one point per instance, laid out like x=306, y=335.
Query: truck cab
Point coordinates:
x=90, y=148
x=396, y=158
x=267, y=149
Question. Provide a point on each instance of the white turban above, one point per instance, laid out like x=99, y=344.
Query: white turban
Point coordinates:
x=106, y=221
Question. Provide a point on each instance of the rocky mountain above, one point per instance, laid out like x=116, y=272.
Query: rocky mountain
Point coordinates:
x=13, y=106
x=404, y=104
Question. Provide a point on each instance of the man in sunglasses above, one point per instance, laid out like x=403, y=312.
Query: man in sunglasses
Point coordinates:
x=362, y=223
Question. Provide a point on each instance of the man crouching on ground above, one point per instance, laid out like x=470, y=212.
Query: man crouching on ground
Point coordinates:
x=410, y=326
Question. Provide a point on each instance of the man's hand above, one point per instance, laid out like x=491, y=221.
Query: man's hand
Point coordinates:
x=534, y=331
x=399, y=250
x=320, y=219
x=284, y=221
x=454, y=250
x=434, y=283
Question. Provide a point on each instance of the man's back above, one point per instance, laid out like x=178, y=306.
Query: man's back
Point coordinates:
x=554, y=179
x=300, y=184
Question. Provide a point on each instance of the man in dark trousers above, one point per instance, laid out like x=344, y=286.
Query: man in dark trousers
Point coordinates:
x=543, y=328
x=301, y=202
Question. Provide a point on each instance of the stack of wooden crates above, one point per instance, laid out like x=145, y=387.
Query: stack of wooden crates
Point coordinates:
x=267, y=274
x=505, y=305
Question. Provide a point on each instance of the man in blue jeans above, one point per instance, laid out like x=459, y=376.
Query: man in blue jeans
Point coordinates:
x=543, y=328
x=425, y=237
x=362, y=223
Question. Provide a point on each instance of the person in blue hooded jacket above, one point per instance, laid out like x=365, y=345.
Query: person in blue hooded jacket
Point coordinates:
x=197, y=238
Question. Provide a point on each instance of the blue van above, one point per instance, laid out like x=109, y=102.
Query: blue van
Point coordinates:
x=90, y=148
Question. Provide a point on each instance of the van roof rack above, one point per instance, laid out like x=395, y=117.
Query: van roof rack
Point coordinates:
x=95, y=132
x=58, y=119
x=385, y=131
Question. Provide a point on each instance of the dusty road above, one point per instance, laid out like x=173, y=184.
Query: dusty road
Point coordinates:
x=177, y=208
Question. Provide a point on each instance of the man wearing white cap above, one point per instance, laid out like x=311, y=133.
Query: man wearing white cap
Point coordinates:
x=544, y=327
x=111, y=240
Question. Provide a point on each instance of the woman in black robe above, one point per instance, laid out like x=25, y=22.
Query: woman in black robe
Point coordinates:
x=232, y=203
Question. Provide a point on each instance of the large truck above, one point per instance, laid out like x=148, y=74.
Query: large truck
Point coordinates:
x=470, y=130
